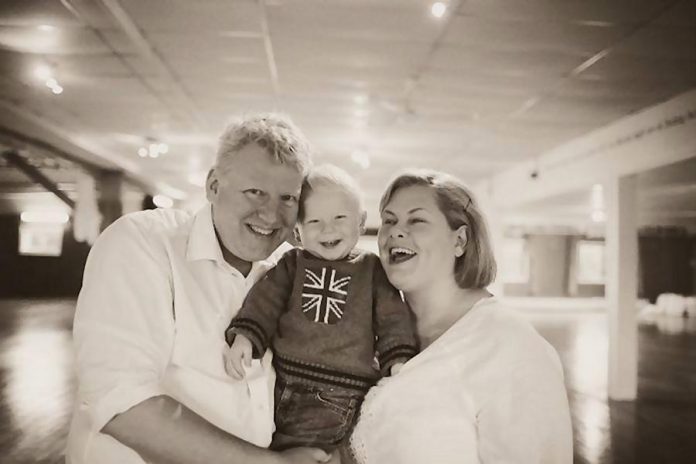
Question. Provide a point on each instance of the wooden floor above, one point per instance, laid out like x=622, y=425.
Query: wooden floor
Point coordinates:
x=37, y=386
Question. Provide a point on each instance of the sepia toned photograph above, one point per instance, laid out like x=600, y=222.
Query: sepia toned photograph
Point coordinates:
x=348, y=231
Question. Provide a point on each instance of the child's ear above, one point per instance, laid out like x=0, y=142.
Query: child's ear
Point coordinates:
x=363, y=218
x=296, y=233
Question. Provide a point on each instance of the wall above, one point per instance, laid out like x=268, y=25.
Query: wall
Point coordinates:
x=38, y=276
x=667, y=263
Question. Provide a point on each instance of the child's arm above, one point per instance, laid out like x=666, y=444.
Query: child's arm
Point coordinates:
x=393, y=322
x=257, y=319
x=240, y=352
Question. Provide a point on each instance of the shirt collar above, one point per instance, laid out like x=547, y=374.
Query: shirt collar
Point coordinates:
x=203, y=243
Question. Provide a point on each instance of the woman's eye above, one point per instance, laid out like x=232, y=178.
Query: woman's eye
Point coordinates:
x=416, y=220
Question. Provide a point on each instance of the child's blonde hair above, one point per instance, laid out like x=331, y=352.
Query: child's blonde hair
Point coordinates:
x=328, y=175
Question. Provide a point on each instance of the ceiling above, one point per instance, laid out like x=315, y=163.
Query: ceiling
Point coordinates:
x=490, y=84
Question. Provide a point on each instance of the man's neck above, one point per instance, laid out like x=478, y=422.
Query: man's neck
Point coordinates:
x=244, y=267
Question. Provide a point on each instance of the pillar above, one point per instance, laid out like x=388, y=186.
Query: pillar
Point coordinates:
x=622, y=286
x=110, y=205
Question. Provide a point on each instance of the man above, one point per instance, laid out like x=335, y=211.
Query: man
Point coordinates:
x=159, y=289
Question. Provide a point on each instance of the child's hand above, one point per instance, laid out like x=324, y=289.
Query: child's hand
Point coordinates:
x=395, y=368
x=239, y=352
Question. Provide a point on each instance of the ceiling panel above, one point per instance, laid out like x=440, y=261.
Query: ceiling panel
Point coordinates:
x=493, y=83
x=188, y=18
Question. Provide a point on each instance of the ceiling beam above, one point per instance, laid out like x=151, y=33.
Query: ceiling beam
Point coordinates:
x=591, y=61
x=268, y=47
x=15, y=159
x=661, y=135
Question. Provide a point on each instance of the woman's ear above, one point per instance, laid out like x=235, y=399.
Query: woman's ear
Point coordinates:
x=462, y=239
x=362, y=222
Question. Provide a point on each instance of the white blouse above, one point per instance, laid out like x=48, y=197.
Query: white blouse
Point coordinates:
x=489, y=390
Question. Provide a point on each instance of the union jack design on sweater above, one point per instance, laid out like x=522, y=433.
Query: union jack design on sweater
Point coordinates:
x=327, y=320
x=324, y=296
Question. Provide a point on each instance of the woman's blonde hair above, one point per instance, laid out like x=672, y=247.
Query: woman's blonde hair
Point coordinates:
x=476, y=268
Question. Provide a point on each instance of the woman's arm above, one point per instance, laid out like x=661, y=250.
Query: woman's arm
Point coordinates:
x=527, y=421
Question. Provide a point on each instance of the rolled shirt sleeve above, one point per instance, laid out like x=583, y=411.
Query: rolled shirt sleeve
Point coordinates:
x=124, y=323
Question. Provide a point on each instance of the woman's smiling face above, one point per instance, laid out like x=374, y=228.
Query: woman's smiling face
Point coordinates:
x=416, y=244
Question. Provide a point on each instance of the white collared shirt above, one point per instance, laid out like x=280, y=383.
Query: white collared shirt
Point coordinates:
x=156, y=298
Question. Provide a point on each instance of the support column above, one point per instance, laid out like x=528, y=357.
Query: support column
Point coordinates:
x=110, y=206
x=622, y=286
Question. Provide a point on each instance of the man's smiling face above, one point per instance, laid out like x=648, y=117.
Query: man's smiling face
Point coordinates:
x=254, y=200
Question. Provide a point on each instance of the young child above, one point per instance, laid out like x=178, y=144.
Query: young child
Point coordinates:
x=328, y=310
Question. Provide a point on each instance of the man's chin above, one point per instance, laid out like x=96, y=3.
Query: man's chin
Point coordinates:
x=261, y=251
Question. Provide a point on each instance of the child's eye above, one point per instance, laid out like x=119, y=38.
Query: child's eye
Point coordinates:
x=341, y=216
x=312, y=221
x=388, y=221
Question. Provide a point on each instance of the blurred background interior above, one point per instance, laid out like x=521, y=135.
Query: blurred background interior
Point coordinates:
x=574, y=121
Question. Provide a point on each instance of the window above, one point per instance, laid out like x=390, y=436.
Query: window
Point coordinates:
x=590, y=262
x=514, y=261
x=41, y=239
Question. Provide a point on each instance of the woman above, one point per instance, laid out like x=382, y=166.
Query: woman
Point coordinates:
x=486, y=388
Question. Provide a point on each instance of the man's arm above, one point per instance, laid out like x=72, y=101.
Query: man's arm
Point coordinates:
x=124, y=335
x=165, y=432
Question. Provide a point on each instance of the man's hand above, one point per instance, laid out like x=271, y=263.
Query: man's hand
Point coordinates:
x=240, y=352
x=308, y=456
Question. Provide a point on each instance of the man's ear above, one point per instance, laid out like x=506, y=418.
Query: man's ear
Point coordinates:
x=211, y=185
x=462, y=240
x=363, y=218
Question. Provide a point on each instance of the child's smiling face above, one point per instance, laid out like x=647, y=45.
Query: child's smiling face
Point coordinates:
x=332, y=222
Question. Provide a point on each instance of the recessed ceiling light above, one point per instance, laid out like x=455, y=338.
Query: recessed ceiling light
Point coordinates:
x=438, y=9
x=43, y=72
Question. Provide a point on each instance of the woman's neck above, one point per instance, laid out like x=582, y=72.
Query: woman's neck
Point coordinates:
x=437, y=307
